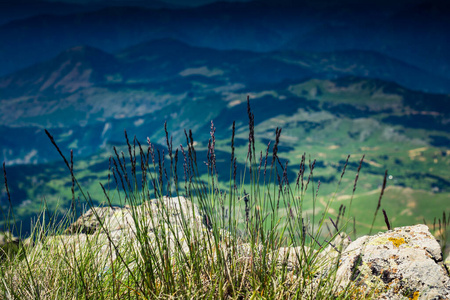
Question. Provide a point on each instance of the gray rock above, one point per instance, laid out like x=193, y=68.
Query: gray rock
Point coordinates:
x=170, y=211
x=7, y=238
x=402, y=263
x=324, y=258
x=109, y=232
x=9, y=245
x=92, y=220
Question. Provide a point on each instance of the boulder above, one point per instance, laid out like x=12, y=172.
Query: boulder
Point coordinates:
x=151, y=214
x=399, y=264
x=92, y=220
x=111, y=231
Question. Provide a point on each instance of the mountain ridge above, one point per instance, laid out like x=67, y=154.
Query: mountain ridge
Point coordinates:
x=72, y=69
x=164, y=59
x=245, y=26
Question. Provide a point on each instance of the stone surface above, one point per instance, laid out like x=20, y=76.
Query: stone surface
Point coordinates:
x=92, y=220
x=174, y=211
x=9, y=245
x=109, y=232
x=400, y=264
x=291, y=256
x=7, y=237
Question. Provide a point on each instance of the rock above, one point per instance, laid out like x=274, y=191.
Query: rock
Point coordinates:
x=327, y=257
x=174, y=211
x=91, y=221
x=332, y=252
x=9, y=244
x=404, y=262
x=8, y=237
x=108, y=232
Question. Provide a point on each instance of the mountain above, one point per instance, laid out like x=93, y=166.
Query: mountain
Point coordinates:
x=412, y=34
x=170, y=58
x=84, y=73
x=86, y=97
x=398, y=31
x=367, y=64
x=90, y=96
x=41, y=94
x=325, y=103
x=76, y=68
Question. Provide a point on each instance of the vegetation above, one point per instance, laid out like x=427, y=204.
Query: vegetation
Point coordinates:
x=244, y=220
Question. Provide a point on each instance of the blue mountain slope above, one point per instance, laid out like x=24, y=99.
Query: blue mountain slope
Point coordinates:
x=415, y=34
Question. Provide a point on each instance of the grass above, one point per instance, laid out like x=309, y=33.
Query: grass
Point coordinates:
x=249, y=235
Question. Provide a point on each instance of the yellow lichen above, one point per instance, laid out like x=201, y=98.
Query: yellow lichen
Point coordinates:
x=384, y=240
x=415, y=296
x=397, y=241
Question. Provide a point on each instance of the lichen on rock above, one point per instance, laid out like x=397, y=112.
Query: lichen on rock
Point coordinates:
x=402, y=263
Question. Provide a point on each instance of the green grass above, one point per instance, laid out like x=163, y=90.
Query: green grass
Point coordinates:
x=231, y=247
